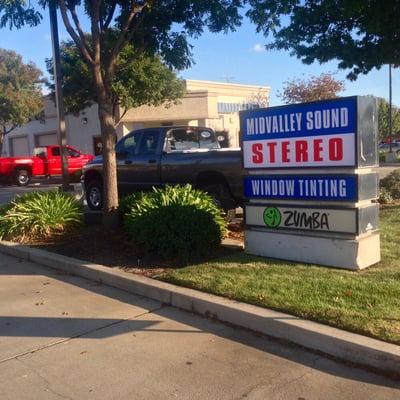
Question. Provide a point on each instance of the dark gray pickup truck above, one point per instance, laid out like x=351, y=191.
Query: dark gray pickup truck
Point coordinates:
x=170, y=155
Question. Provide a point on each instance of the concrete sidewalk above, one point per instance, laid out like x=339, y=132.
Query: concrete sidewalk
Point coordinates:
x=66, y=337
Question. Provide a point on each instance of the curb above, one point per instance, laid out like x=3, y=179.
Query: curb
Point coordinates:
x=381, y=356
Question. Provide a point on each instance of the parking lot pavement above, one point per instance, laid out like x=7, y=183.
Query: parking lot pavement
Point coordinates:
x=66, y=337
x=7, y=193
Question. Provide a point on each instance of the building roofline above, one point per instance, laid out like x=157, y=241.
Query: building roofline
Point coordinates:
x=227, y=84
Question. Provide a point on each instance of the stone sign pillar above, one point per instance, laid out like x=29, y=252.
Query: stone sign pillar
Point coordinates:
x=308, y=182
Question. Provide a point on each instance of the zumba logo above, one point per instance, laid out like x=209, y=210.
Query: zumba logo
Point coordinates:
x=272, y=217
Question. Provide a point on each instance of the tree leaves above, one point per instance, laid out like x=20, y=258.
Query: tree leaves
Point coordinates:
x=321, y=87
x=20, y=91
x=383, y=120
x=360, y=34
x=139, y=79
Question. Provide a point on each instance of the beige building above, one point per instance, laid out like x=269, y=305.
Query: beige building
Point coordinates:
x=212, y=104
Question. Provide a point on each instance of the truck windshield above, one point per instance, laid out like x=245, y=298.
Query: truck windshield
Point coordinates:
x=191, y=139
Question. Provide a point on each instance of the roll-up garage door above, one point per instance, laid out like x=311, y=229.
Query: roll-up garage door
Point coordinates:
x=19, y=146
x=46, y=140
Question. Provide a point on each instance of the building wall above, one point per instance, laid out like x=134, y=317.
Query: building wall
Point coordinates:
x=192, y=106
x=80, y=130
x=211, y=104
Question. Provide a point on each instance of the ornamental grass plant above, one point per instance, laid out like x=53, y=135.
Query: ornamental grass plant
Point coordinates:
x=39, y=215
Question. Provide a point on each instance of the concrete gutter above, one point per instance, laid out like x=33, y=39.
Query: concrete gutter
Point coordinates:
x=354, y=348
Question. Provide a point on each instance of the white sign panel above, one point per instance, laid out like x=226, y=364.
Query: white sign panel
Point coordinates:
x=320, y=134
x=307, y=219
x=316, y=151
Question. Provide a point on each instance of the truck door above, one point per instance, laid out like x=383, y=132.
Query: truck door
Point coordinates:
x=139, y=161
x=76, y=160
x=53, y=161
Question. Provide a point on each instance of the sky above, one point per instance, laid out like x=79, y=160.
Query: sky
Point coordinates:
x=238, y=57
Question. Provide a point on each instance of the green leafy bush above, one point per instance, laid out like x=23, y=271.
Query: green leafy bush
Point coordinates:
x=39, y=214
x=382, y=156
x=384, y=196
x=391, y=184
x=177, y=222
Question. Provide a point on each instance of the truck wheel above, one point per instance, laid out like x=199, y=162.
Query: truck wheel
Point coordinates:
x=22, y=177
x=222, y=197
x=94, y=195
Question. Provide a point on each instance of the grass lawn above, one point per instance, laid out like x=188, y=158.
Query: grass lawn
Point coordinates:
x=366, y=302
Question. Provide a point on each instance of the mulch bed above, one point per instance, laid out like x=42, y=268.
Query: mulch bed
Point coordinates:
x=91, y=243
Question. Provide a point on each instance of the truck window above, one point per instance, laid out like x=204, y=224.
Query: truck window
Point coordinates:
x=55, y=151
x=191, y=139
x=148, y=143
x=39, y=152
x=73, y=153
x=183, y=139
x=128, y=144
x=207, y=140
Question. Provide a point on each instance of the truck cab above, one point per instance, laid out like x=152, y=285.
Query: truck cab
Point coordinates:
x=45, y=163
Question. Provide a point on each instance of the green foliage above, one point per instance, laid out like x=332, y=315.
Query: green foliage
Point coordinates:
x=17, y=14
x=360, y=34
x=384, y=196
x=39, y=215
x=383, y=120
x=391, y=184
x=382, y=156
x=139, y=79
x=20, y=92
x=321, y=87
x=176, y=222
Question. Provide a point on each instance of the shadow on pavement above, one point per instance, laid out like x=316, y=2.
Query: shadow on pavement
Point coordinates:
x=64, y=327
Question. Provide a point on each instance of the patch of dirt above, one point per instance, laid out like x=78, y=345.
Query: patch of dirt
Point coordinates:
x=236, y=229
x=91, y=243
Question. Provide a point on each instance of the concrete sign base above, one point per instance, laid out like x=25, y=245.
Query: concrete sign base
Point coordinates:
x=352, y=254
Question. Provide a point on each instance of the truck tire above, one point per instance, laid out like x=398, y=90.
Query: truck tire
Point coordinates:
x=222, y=198
x=22, y=177
x=94, y=195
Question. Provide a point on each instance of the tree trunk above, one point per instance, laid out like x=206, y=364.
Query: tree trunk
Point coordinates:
x=2, y=136
x=110, y=188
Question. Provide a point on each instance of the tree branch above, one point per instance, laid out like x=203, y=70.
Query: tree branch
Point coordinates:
x=123, y=39
x=108, y=20
x=64, y=14
x=120, y=118
x=7, y=131
x=79, y=28
x=96, y=37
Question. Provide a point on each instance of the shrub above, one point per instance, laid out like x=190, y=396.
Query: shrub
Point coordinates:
x=177, y=222
x=382, y=156
x=391, y=184
x=39, y=214
x=384, y=196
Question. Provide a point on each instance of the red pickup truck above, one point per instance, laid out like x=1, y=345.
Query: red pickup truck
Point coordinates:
x=46, y=162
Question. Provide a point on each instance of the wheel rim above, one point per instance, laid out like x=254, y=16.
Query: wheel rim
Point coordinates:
x=95, y=196
x=23, y=178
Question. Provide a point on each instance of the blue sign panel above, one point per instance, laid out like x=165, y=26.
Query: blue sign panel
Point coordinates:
x=301, y=187
x=330, y=117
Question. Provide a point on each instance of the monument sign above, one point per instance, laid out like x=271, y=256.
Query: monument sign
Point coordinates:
x=309, y=184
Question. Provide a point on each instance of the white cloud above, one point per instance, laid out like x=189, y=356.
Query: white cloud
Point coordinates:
x=258, y=48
